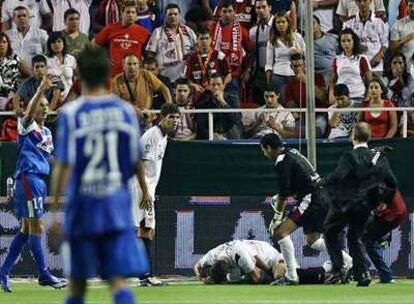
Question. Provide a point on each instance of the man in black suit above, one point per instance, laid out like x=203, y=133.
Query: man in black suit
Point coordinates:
x=354, y=187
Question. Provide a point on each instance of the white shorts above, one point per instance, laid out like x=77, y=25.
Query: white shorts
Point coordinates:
x=141, y=217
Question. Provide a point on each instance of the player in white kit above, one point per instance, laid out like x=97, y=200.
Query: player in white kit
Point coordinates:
x=153, y=144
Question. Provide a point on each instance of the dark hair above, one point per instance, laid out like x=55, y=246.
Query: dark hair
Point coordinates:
x=94, y=67
x=270, y=88
x=69, y=12
x=219, y=272
x=389, y=74
x=267, y=1
x=316, y=18
x=378, y=80
x=39, y=58
x=341, y=89
x=9, y=51
x=150, y=60
x=19, y=8
x=214, y=76
x=275, y=34
x=227, y=3
x=128, y=3
x=171, y=6
x=295, y=57
x=181, y=81
x=272, y=140
x=362, y=132
x=356, y=50
x=202, y=30
x=54, y=36
x=169, y=108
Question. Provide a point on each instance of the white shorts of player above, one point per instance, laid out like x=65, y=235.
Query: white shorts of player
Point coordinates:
x=139, y=214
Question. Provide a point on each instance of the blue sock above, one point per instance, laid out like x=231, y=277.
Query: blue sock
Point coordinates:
x=16, y=247
x=74, y=300
x=124, y=296
x=35, y=245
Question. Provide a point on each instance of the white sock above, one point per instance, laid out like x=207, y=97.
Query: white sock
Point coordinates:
x=321, y=247
x=288, y=252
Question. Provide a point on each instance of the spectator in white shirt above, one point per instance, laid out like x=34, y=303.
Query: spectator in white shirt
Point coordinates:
x=349, y=8
x=61, y=6
x=26, y=40
x=39, y=13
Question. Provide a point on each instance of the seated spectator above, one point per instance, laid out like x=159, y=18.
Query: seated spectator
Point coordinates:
x=60, y=7
x=350, y=68
x=283, y=43
x=38, y=12
x=399, y=81
x=410, y=119
x=281, y=123
x=60, y=65
x=109, y=12
x=341, y=123
x=383, y=124
x=182, y=98
x=136, y=86
x=151, y=65
x=75, y=40
x=205, y=62
x=26, y=40
x=123, y=37
x=149, y=15
x=24, y=94
x=12, y=71
x=296, y=96
x=325, y=50
x=171, y=44
x=213, y=98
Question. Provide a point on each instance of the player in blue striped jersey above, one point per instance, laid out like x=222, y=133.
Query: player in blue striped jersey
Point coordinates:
x=35, y=147
x=97, y=152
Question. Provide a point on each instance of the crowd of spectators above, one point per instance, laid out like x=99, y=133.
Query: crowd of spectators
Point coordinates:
x=209, y=54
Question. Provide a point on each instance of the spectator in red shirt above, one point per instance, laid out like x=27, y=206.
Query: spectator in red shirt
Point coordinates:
x=383, y=124
x=205, y=62
x=244, y=9
x=109, y=12
x=123, y=37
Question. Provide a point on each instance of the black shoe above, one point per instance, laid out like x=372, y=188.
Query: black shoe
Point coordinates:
x=364, y=280
x=335, y=278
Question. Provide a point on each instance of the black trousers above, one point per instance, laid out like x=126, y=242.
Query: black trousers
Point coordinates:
x=355, y=218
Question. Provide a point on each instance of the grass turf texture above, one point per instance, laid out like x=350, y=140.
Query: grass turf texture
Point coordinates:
x=194, y=293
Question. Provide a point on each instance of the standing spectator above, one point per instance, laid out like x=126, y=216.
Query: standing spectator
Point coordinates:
x=383, y=124
x=29, y=87
x=60, y=7
x=230, y=37
x=399, y=81
x=151, y=65
x=402, y=36
x=172, y=43
x=12, y=70
x=60, y=64
x=349, y=8
x=123, y=37
x=350, y=68
x=182, y=98
x=341, y=123
x=137, y=85
x=283, y=43
x=286, y=6
x=26, y=40
x=205, y=62
x=325, y=50
x=149, y=15
x=373, y=34
x=75, y=40
x=296, y=96
x=396, y=10
x=259, y=35
x=109, y=12
x=39, y=13
x=281, y=123
x=244, y=11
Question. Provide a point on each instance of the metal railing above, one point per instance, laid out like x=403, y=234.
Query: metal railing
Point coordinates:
x=211, y=112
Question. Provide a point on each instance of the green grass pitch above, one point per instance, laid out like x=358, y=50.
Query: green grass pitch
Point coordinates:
x=194, y=293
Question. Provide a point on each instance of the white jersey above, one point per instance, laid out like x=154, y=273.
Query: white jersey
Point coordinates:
x=153, y=144
x=36, y=9
x=349, y=8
